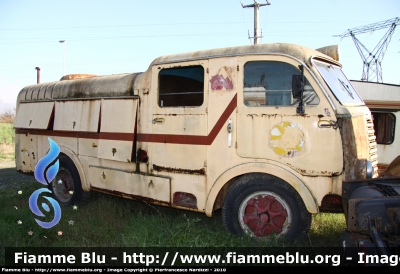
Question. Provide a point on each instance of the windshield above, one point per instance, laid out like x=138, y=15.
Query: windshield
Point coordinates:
x=338, y=83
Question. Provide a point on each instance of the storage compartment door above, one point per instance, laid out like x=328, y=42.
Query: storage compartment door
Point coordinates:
x=77, y=116
x=34, y=115
x=117, y=130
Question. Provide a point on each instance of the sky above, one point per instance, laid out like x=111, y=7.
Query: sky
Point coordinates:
x=124, y=36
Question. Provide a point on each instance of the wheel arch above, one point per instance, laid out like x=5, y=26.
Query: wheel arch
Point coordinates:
x=70, y=154
x=233, y=173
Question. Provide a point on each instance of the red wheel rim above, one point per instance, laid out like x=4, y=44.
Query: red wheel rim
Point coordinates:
x=264, y=213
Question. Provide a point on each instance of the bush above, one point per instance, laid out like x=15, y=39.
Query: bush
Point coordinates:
x=8, y=116
x=7, y=134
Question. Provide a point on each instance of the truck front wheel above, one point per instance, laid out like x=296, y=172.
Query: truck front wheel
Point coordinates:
x=261, y=205
x=66, y=187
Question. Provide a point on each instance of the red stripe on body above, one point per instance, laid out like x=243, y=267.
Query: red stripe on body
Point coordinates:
x=144, y=137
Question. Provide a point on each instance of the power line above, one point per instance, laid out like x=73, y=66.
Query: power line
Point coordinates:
x=372, y=60
x=171, y=24
x=118, y=26
x=167, y=35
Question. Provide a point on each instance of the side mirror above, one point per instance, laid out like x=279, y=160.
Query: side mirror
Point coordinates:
x=297, y=86
x=298, y=89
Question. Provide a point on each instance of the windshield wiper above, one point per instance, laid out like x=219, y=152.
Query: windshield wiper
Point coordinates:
x=346, y=87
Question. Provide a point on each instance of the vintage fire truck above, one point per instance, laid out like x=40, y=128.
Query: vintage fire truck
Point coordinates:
x=266, y=133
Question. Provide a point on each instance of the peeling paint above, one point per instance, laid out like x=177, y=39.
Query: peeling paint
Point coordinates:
x=219, y=81
x=327, y=112
x=287, y=139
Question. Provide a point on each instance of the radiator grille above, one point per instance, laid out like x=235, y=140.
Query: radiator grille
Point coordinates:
x=373, y=155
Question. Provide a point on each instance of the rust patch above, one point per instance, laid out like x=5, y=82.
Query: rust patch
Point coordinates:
x=77, y=76
x=185, y=199
x=355, y=147
x=131, y=196
x=394, y=215
x=26, y=172
x=269, y=115
x=180, y=170
x=313, y=173
x=94, y=87
x=142, y=156
x=331, y=203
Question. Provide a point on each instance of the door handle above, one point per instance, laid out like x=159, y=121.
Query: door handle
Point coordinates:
x=327, y=123
x=158, y=120
x=229, y=128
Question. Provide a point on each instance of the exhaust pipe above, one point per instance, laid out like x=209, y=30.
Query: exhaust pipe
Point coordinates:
x=38, y=75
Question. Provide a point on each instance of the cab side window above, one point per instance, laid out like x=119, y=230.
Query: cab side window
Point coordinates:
x=181, y=87
x=384, y=125
x=269, y=83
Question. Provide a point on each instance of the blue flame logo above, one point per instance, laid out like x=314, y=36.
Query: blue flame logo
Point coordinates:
x=35, y=209
x=44, y=174
x=40, y=169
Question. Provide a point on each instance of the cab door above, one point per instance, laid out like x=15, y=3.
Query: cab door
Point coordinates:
x=269, y=127
x=179, y=129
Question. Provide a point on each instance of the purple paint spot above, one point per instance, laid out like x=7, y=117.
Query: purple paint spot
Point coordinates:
x=218, y=82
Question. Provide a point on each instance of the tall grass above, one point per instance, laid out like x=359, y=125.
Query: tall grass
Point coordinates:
x=118, y=222
x=108, y=221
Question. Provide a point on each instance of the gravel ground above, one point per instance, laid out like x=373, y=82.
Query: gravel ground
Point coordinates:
x=10, y=178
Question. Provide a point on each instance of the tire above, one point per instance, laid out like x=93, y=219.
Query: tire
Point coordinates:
x=66, y=187
x=261, y=205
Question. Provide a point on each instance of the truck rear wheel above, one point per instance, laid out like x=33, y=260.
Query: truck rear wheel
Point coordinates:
x=261, y=205
x=66, y=187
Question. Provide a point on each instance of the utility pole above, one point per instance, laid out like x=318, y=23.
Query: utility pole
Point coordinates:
x=256, y=7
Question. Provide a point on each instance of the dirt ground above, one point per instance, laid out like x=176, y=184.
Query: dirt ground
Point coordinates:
x=10, y=179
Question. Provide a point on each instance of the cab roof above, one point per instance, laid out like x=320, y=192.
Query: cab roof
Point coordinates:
x=300, y=52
